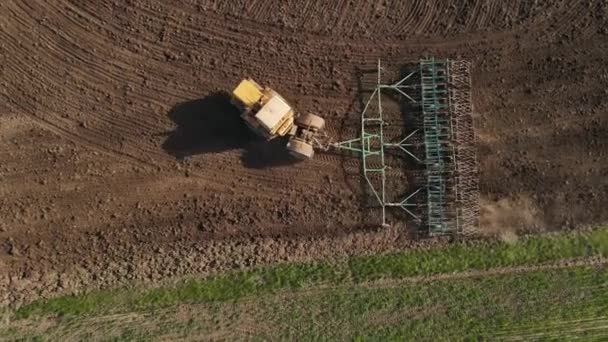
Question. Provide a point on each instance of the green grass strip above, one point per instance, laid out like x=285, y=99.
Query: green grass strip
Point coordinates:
x=551, y=304
x=235, y=285
x=461, y=257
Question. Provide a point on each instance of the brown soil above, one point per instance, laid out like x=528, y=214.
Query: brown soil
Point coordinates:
x=120, y=159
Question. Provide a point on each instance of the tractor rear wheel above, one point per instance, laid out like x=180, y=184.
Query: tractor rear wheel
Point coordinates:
x=300, y=149
x=310, y=121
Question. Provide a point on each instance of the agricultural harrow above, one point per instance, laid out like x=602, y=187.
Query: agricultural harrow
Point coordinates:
x=441, y=92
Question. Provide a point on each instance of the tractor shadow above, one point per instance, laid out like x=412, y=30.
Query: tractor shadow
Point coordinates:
x=213, y=125
x=262, y=154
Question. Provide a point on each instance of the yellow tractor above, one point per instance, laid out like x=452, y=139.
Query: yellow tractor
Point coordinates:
x=269, y=115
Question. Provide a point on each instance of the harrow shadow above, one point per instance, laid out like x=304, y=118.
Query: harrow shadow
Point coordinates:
x=411, y=114
x=413, y=171
x=368, y=203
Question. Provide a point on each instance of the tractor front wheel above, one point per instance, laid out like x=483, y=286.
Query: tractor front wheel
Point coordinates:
x=300, y=149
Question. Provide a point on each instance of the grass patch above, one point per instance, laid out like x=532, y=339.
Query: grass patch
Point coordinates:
x=461, y=257
x=555, y=304
x=236, y=285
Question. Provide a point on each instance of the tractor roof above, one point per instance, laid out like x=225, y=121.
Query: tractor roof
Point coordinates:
x=272, y=113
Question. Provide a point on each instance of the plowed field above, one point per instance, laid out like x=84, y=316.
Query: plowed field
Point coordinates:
x=121, y=159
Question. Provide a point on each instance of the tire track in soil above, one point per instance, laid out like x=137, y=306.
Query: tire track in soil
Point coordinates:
x=74, y=94
x=126, y=124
